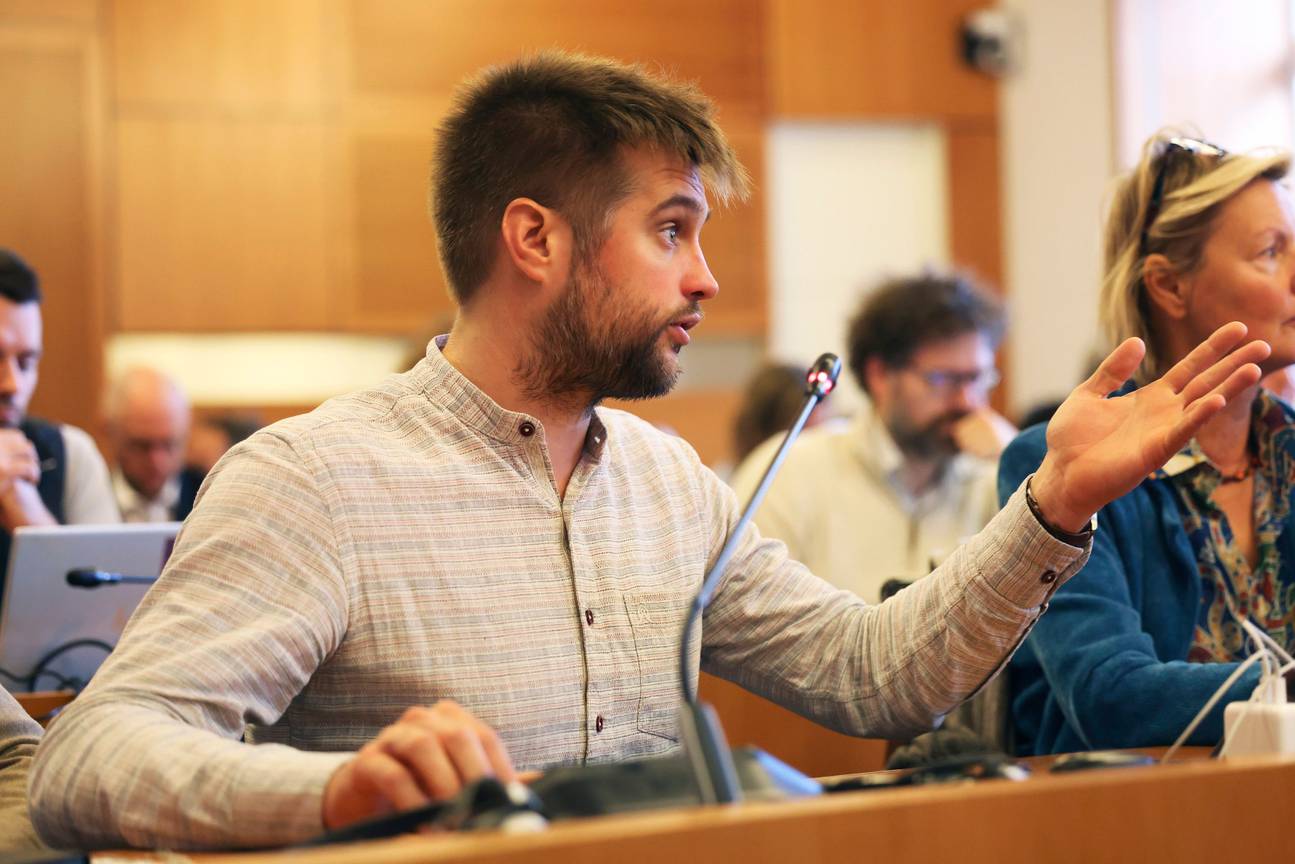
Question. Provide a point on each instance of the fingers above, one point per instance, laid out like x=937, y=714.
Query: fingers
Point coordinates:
x=1117, y=368
x=384, y=780
x=1204, y=355
x=1198, y=412
x=1224, y=371
x=428, y=754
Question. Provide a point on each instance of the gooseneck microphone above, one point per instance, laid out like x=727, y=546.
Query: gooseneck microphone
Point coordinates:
x=88, y=577
x=703, y=738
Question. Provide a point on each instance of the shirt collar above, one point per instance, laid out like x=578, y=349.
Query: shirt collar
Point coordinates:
x=448, y=388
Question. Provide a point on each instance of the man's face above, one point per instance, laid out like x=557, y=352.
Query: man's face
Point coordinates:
x=20, y=349
x=149, y=441
x=617, y=328
x=943, y=382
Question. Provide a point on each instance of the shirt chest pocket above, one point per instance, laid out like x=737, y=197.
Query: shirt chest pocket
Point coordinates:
x=656, y=619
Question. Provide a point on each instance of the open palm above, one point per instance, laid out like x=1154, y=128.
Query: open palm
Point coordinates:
x=1099, y=448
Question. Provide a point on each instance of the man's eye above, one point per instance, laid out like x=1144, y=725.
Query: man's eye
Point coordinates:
x=671, y=233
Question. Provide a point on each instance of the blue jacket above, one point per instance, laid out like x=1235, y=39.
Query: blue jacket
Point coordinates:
x=1106, y=666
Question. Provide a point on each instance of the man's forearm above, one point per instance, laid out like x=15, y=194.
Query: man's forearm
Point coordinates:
x=158, y=782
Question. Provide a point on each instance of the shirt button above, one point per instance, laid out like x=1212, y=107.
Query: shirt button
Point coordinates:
x=598, y=724
x=527, y=428
x=589, y=617
x=1048, y=577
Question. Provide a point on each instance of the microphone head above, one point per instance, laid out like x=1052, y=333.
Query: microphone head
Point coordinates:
x=822, y=376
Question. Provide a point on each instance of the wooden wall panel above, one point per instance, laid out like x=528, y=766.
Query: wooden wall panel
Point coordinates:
x=397, y=284
x=703, y=418
x=223, y=225
x=975, y=223
x=50, y=179
x=873, y=58
x=404, y=45
x=238, y=53
x=975, y=200
x=397, y=79
x=734, y=244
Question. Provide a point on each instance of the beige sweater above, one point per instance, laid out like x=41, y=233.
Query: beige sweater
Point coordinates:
x=18, y=737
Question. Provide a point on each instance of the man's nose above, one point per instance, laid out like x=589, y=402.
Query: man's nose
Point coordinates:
x=700, y=283
x=8, y=377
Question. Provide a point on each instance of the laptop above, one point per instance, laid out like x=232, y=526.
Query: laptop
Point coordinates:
x=68, y=631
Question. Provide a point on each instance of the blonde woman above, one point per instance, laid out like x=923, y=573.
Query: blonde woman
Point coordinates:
x=1136, y=642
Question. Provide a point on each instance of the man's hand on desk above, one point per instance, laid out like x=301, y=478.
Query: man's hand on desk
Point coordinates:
x=427, y=755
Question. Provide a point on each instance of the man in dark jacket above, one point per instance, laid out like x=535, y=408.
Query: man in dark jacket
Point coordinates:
x=49, y=473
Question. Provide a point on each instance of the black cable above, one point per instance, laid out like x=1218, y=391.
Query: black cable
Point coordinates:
x=38, y=671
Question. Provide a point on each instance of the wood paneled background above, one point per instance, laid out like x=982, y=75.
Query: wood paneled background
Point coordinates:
x=262, y=164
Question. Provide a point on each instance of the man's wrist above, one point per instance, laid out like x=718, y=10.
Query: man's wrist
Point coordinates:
x=1058, y=529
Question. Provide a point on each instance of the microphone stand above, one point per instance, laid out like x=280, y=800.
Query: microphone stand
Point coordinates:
x=699, y=727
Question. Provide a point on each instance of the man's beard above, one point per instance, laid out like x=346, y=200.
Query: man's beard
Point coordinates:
x=586, y=349
x=932, y=440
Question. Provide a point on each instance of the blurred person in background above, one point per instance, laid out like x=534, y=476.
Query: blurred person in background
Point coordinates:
x=214, y=434
x=891, y=493
x=1138, y=641
x=50, y=473
x=771, y=402
x=148, y=420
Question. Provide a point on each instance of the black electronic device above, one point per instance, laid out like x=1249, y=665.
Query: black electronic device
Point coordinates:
x=1099, y=759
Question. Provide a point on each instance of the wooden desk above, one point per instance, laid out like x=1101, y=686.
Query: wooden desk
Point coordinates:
x=1195, y=811
x=42, y=705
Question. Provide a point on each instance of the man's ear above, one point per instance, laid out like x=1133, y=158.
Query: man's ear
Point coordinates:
x=1166, y=289
x=876, y=375
x=537, y=240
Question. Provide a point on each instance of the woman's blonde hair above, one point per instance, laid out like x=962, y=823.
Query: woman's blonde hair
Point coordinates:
x=1195, y=187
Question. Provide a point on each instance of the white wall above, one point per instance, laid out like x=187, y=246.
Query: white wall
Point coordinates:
x=849, y=203
x=1057, y=140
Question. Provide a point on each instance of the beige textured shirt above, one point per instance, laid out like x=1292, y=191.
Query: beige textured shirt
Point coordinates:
x=840, y=506
x=18, y=736
x=405, y=544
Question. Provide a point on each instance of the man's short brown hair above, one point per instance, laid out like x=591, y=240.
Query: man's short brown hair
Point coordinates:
x=551, y=128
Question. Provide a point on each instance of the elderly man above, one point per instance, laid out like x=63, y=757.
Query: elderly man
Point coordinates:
x=147, y=416
x=477, y=536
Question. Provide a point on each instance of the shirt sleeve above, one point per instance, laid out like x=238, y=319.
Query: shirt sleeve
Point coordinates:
x=892, y=669
x=249, y=605
x=87, y=496
x=19, y=735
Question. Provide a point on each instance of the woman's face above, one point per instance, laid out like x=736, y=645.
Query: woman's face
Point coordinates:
x=1247, y=272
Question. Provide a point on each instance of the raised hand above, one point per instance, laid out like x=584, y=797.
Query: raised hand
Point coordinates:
x=1100, y=448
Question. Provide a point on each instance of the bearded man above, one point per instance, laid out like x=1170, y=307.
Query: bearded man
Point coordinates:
x=913, y=473
x=470, y=568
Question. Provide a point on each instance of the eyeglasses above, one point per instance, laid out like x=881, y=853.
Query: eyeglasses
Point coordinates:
x=1174, y=149
x=947, y=382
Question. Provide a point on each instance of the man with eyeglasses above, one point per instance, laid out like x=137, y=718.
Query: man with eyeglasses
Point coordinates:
x=891, y=492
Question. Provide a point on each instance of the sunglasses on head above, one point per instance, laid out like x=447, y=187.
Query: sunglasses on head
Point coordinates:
x=1174, y=149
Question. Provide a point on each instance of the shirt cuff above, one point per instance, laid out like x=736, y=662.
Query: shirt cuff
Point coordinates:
x=1021, y=560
